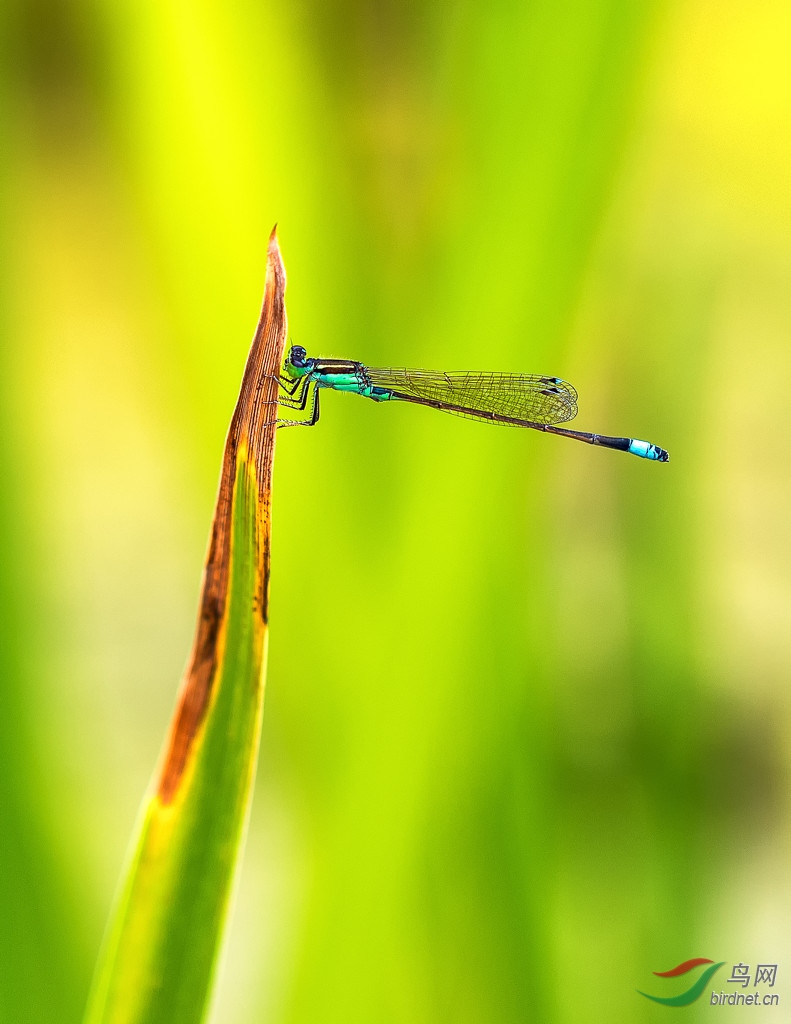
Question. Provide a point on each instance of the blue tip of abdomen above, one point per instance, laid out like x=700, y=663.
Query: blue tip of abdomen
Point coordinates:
x=646, y=450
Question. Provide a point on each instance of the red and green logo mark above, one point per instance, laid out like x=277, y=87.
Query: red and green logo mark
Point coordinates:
x=691, y=994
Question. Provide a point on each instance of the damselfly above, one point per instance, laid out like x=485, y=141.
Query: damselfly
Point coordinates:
x=513, y=399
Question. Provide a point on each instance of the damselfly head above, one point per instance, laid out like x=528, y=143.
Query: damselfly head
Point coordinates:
x=297, y=356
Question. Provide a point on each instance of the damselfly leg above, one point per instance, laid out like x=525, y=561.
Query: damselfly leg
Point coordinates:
x=301, y=404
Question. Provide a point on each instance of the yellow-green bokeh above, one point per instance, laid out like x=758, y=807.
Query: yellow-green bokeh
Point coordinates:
x=527, y=724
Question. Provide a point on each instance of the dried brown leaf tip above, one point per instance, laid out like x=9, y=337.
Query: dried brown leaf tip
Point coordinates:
x=240, y=534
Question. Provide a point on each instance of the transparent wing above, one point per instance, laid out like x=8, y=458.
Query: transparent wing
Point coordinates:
x=514, y=395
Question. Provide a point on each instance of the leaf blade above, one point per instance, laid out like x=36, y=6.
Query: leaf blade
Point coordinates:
x=160, y=954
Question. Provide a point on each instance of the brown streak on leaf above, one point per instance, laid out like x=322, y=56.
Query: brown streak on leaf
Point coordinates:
x=253, y=428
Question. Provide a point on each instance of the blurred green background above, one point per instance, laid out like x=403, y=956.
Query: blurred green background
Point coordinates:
x=527, y=725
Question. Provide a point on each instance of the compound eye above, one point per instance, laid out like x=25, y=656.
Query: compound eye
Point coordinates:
x=297, y=355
